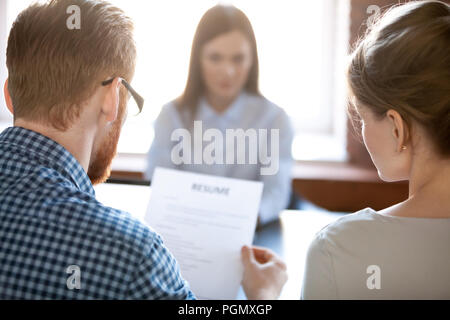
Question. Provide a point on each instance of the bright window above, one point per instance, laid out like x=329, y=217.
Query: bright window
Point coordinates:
x=301, y=46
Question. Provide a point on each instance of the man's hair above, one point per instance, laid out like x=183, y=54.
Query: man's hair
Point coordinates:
x=53, y=69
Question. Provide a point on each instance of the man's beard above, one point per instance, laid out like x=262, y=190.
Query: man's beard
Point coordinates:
x=100, y=167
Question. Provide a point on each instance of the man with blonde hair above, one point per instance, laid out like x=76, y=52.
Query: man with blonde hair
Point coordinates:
x=67, y=89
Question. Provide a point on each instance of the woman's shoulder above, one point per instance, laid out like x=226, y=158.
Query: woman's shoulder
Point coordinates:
x=261, y=102
x=265, y=111
x=169, y=116
x=369, y=224
x=169, y=107
x=350, y=225
x=345, y=232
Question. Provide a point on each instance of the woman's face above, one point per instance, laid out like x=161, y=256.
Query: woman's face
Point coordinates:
x=225, y=62
x=385, y=145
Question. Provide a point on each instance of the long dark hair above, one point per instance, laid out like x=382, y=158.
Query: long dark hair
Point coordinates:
x=217, y=20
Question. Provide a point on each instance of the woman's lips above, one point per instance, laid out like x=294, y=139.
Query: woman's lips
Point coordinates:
x=225, y=85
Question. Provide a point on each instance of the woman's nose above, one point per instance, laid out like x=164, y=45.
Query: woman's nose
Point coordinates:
x=229, y=70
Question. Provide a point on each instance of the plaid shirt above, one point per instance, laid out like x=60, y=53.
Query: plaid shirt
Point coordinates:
x=58, y=242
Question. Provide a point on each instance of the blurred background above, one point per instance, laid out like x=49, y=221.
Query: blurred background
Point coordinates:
x=302, y=46
x=298, y=47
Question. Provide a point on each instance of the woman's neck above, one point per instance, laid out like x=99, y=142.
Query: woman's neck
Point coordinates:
x=429, y=188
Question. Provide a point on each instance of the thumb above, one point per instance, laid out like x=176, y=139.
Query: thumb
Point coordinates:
x=247, y=255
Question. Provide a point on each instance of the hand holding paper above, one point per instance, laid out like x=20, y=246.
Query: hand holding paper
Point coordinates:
x=204, y=221
x=265, y=273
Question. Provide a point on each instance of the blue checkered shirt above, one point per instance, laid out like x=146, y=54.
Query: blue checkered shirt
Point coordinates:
x=58, y=242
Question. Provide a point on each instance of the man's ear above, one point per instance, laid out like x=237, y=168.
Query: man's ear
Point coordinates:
x=8, y=100
x=400, y=130
x=110, y=107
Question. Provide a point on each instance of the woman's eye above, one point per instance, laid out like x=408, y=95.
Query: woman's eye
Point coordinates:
x=238, y=59
x=214, y=57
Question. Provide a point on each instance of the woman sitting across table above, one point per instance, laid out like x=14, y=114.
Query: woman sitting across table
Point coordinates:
x=222, y=94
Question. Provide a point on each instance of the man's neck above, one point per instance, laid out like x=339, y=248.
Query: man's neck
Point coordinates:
x=77, y=142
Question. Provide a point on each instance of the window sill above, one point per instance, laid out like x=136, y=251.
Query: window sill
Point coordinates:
x=128, y=166
x=345, y=187
x=311, y=148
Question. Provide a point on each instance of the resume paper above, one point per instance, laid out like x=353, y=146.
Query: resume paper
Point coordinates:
x=204, y=221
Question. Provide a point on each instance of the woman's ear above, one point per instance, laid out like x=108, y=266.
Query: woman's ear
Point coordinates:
x=8, y=100
x=110, y=107
x=400, y=129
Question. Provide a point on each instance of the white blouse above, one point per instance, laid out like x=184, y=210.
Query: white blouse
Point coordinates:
x=248, y=111
x=367, y=255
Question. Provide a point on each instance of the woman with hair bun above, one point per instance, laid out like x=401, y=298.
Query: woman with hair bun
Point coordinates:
x=399, y=81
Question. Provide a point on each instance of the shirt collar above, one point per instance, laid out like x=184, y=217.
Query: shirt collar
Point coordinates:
x=233, y=112
x=50, y=153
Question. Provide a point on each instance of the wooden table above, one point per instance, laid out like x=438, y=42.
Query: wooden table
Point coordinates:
x=289, y=237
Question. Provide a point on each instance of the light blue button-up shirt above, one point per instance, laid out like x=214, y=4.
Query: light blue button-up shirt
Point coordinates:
x=248, y=111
